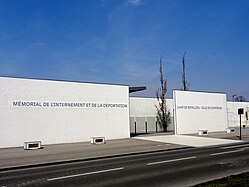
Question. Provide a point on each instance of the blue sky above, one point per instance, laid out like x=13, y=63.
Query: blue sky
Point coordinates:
x=121, y=41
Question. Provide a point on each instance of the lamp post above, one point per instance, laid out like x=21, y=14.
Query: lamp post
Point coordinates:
x=234, y=97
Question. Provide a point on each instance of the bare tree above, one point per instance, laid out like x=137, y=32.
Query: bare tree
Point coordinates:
x=240, y=99
x=185, y=84
x=163, y=115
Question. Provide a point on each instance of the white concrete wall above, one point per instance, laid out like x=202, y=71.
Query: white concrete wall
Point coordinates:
x=199, y=111
x=233, y=117
x=88, y=113
x=144, y=109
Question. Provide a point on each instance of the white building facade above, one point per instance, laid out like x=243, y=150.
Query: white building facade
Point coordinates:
x=61, y=112
x=189, y=112
x=56, y=112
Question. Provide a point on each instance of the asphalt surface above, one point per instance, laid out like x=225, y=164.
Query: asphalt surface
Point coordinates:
x=184, y=167
x=58, y=153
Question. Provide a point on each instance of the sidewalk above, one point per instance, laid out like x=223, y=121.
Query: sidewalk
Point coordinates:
x=11, y=158
x=191, y=141
x=228, y=136
x=59, y=153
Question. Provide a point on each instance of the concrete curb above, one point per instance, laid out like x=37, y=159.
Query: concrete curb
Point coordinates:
x=87, y=159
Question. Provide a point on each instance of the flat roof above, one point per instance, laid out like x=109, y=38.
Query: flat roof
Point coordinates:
x=57, y=80
x=137, y=89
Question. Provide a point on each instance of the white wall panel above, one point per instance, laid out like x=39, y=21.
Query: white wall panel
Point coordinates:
x=199, y=111
x=84, y=110
x=146, y=108
x=233, y=117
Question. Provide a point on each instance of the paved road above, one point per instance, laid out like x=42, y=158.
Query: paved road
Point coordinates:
x=170, y=168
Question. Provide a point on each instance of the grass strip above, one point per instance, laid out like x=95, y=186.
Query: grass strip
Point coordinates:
x=241, y=180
